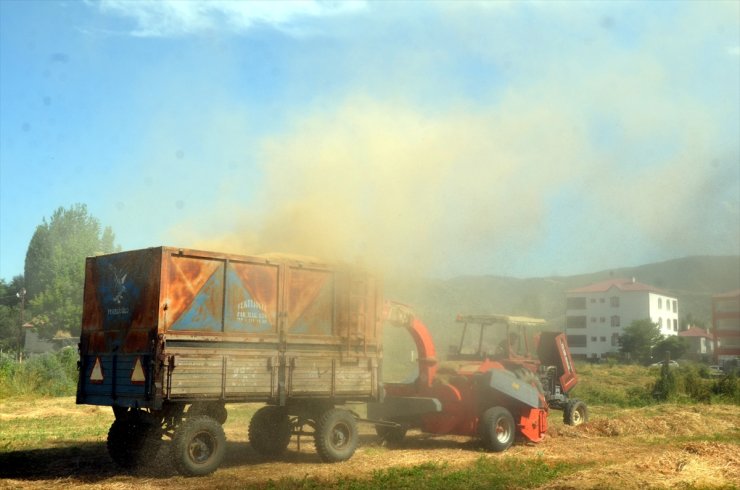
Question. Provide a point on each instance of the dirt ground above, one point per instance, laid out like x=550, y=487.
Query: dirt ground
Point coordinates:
x=666, y=446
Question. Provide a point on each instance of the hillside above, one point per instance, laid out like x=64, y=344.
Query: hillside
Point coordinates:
x=692, y=279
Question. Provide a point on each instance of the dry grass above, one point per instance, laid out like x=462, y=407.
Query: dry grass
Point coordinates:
x=665, y=446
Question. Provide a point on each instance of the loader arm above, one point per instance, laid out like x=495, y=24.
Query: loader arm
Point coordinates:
x=401, y=315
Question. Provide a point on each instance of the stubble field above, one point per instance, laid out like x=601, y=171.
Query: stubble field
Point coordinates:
x=51, y=442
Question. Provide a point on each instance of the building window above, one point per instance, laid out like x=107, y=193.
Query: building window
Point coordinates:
x=602, y=319
x=593, y=319
x=675, y=325
x=660, y=303
x=577, y=340
x=615, y=339
x=575, y=322
x=660, y=323
x=601, y=300
x=615, y=321
x=593, y=339
x=614, y=301
x=675, y=306
x=602, y=339
x=593, y=300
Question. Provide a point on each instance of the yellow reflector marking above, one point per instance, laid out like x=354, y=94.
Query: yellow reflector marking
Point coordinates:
x=96, y=376
x=137, y=374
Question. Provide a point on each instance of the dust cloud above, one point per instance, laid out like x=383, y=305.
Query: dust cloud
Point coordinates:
x=591, y=156
x=396, y=189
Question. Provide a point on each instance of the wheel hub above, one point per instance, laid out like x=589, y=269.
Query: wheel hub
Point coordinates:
x=200, y=448
x=340, y=436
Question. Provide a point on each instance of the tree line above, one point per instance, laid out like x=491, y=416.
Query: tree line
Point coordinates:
x=48, y=296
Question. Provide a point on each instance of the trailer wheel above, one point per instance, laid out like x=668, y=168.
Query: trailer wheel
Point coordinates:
x=497, y=429
x=120, y=412
x=336, y=435
x=198, y=446
x=575, y=413
x=391, y=435
x=270, y=431
x=133, y=441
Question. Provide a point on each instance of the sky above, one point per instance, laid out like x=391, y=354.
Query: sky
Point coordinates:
x=524, y=139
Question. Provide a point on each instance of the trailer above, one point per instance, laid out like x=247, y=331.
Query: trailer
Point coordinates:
x=170, y=335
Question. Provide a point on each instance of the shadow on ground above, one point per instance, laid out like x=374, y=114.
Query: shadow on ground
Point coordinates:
x=90, y=463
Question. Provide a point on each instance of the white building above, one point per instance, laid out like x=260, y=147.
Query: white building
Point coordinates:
x=597, y=314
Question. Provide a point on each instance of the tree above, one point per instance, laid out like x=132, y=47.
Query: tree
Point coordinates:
x=688, y=320
x=55, y=267
x=10, y=320
x=674, y=345
x=639, y=338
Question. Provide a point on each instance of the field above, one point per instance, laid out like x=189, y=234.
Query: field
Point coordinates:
x=51, y=442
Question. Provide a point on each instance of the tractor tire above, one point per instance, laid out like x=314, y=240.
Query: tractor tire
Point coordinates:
x=270, y=431
x=336, y=435
x=497, y=429
x=575, y=413
x=215, y=410
x=133, y=441
x=198, y=446
x=391, y=435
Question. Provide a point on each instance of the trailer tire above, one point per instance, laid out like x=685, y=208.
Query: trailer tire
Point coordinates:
x=336, y=435
x=497, y=429
x=133, y=441
x=198, y=446
x=120, y=412
x=270, y=431
x=575, y=413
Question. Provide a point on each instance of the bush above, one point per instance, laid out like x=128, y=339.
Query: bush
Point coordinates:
x=727, y=388
x=51, y=374
x=689, y=383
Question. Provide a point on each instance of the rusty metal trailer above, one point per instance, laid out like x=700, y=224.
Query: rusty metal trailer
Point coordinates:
x=169, y=336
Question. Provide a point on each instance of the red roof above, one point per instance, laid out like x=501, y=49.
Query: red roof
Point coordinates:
x=695, y=332
x=622, y=284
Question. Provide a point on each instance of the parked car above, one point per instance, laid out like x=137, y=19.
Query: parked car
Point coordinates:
x=715, y=370
x=670, y=363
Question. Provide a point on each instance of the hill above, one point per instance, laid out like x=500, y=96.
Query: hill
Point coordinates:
x=693, y=280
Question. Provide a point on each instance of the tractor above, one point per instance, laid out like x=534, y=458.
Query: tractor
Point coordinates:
x=498, y=383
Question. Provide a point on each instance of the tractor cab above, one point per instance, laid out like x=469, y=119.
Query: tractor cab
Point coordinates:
x=509, y=340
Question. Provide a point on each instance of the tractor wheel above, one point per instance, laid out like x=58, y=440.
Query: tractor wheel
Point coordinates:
x=270, y=431
x=336, y=435
x=198, y=446
x=133, y=441
x=391, y=435
x=575, y=413
x=497, y=429
x=215, y=410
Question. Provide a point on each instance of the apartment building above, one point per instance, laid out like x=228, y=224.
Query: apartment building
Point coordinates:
x=726, y=326
x=597, y=314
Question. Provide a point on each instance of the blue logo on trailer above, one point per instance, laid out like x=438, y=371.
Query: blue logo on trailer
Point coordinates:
x=118, y=292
